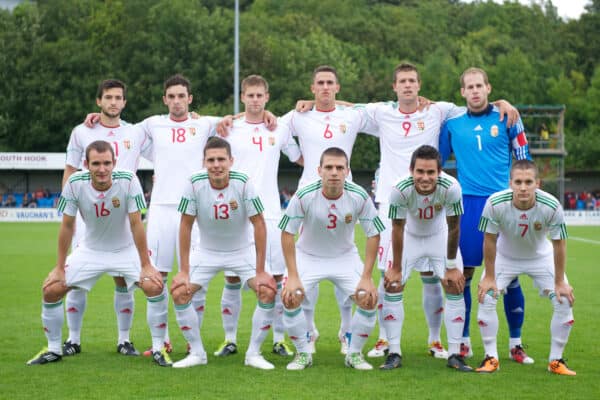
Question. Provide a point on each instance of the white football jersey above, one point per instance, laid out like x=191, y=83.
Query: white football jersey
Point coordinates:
x=326, y=225
x=318, y=130
x=106, y=213
x=128, y=141
x=523, y=234
x=425, y=215
x=222, y=215
x=256, y=151
x=401, y=134
x=177, y=150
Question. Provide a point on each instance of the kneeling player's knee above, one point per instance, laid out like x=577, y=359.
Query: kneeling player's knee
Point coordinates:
x=366, y=301
x=394, y=287
x=151, y=289
x=54, y=292
x=266, y=295
x=450, y=288
x=233, y=279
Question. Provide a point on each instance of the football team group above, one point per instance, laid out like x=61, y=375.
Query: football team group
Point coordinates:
x=215, y=206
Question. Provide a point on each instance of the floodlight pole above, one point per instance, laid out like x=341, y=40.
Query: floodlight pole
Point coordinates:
x=236, y=61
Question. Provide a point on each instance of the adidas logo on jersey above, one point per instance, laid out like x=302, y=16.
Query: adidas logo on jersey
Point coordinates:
x=220, y=196
x=478, y=128
x=333, y=207
x=523, y=216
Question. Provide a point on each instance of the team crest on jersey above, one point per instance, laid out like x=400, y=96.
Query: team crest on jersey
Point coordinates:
x=343, y=127
x=537, y=225
x=494, y=130
x=193, y=131
x=127, y=144
x=348, y=218
x=272, y=140
x=438, y=207
x=421, y=125
x=233, y=204
x=116, y=202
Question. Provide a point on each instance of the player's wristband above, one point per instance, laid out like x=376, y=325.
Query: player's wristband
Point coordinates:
x=451, y=264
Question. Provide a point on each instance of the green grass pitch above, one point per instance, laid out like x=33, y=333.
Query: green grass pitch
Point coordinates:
x=28, y=253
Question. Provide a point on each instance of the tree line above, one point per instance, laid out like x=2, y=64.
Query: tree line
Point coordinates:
x=54, y=53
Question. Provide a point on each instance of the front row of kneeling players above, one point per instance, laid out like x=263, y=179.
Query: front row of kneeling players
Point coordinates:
x=516, y=223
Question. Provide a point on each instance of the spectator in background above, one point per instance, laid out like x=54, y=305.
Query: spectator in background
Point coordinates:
x=590, y=202
x=10, y=201
x=39, y=193
x=28, y=201
x=571, y=201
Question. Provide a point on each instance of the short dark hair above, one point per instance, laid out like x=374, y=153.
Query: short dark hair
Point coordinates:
x=178, y=79
x=524, y=165
x=426, y=152
x=254, y=80
x=325, y=68
x=217, y=143
x=405, y=67
x=109, y=84
x=473, y=70
x=334, y=152
x=100, y=146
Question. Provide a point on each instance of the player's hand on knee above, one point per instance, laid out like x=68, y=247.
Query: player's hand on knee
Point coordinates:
x=486, y=285
x=181, y=283
x=365, y=299
x=55, y=284
x=292, y=294
x=151, y=281
x=265, y=286
x=454, y=281
x=392, y=281
x=563, y=289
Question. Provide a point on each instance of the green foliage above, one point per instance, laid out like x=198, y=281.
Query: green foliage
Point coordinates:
x=54, y=53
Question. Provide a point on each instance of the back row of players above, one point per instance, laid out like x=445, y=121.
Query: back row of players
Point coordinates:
x=478, y=135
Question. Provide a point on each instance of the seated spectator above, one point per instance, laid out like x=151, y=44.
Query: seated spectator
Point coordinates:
x=10, y=201
x=39, y=193
x=47, y=194
x=28, y=201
